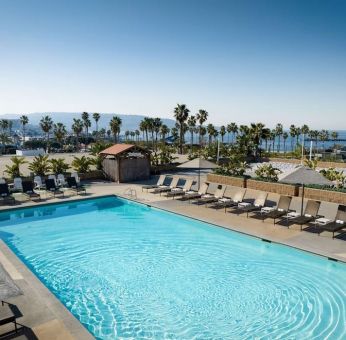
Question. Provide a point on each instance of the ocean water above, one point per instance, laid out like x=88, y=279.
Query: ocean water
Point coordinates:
x=128, y=271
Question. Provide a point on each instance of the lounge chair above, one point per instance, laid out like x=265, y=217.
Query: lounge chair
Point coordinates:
x=28, y=190
x=5, y=194
x=309, y=215
x=38, y=182
x=190, y=195
x=159, y=183
x=17, y=185
x=7, y=316
x=52, y=188
x=257, y=205
x=165, y=188
x=281, y=210
x=54, y=178
x=180, y=191
x=75, y=175
x=208, y=198
x=339, y=223
x=227, y=202
x=73, y=185
x=61, y=180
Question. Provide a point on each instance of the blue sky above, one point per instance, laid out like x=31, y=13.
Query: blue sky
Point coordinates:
x=244, y=61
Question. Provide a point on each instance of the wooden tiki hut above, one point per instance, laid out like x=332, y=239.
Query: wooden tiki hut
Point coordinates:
x=126, y=162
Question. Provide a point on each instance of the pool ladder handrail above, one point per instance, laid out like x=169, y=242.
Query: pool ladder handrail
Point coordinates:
x=130, y=192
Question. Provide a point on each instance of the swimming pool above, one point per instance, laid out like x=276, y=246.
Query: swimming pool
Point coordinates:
x=126, y=270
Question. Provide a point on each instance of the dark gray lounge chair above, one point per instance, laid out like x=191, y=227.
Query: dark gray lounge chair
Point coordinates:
x=309, y=215
x=28, y=190
x=74, y=186
x=5, y=194
x=280, y=211
x=208, y=198
x=337, y=225
x=52, y=188
x=257, y=205
x=191, y=195
x=7, y=315
x=159, y=183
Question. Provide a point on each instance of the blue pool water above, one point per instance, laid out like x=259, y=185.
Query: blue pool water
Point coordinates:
x=129, y=271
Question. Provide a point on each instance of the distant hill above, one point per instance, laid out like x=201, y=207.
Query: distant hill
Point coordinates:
x=129, y=122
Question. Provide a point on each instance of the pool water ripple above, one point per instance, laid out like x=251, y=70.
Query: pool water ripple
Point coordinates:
x=128, y=271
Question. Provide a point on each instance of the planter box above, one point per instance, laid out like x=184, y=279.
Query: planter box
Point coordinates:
x=227, y=180
x=324, y=195
x=278, y=188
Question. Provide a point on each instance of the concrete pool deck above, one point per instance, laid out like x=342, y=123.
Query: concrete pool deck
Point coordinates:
x=47, y=318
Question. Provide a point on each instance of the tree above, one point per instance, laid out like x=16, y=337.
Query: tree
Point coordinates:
x=211, y=132
x=334, y=135
x=40, y=165
x=164, y=131
x=137, y=133
x=255, y=134
x=58, y=165
x=96, y=117
x=232, y=128
x=278, y=132
x=14, y=169
x=3, y=125
x=114, y=125
x=143, y=126
x=181, y=113
x=87, y=124
x=304, y=130
x=285, y=136
x=46, y=124
x=157, y=123
x=293, y=131
x=201, y=117
x=222, y=132
x=77, y=128
x=82, y=164
x=324, y=136
x=24, y=120
x=191, y=123
x=60, y=132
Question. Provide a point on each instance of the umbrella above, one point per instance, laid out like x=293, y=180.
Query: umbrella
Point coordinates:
x=198, y=163
x=8, y=288
x=304, y=175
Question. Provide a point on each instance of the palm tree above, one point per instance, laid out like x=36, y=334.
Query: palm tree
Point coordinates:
x=24, y=120
x=293, y=131
x=132, y=134
x=266, y=137
x=127, y=134
x=285, y=136
x=144, y=128
x=324, y=136
x=334, y=135
x=278, y=132
x=232, y=128
x=46, y=124
x=191, y=123
x=77, y=128
x=222, y=132
x=157, y=122
x=10, y=125
x=137, y=133
x=305, y=130
x=211, y=130
x=114, y=125
x=201, y=117
x=14, y=169
x=255, y=134
x=87, y=124
x=96, y=117
x=3, y=125
x=60, y=132
x=164, y=131
x=181, y=113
